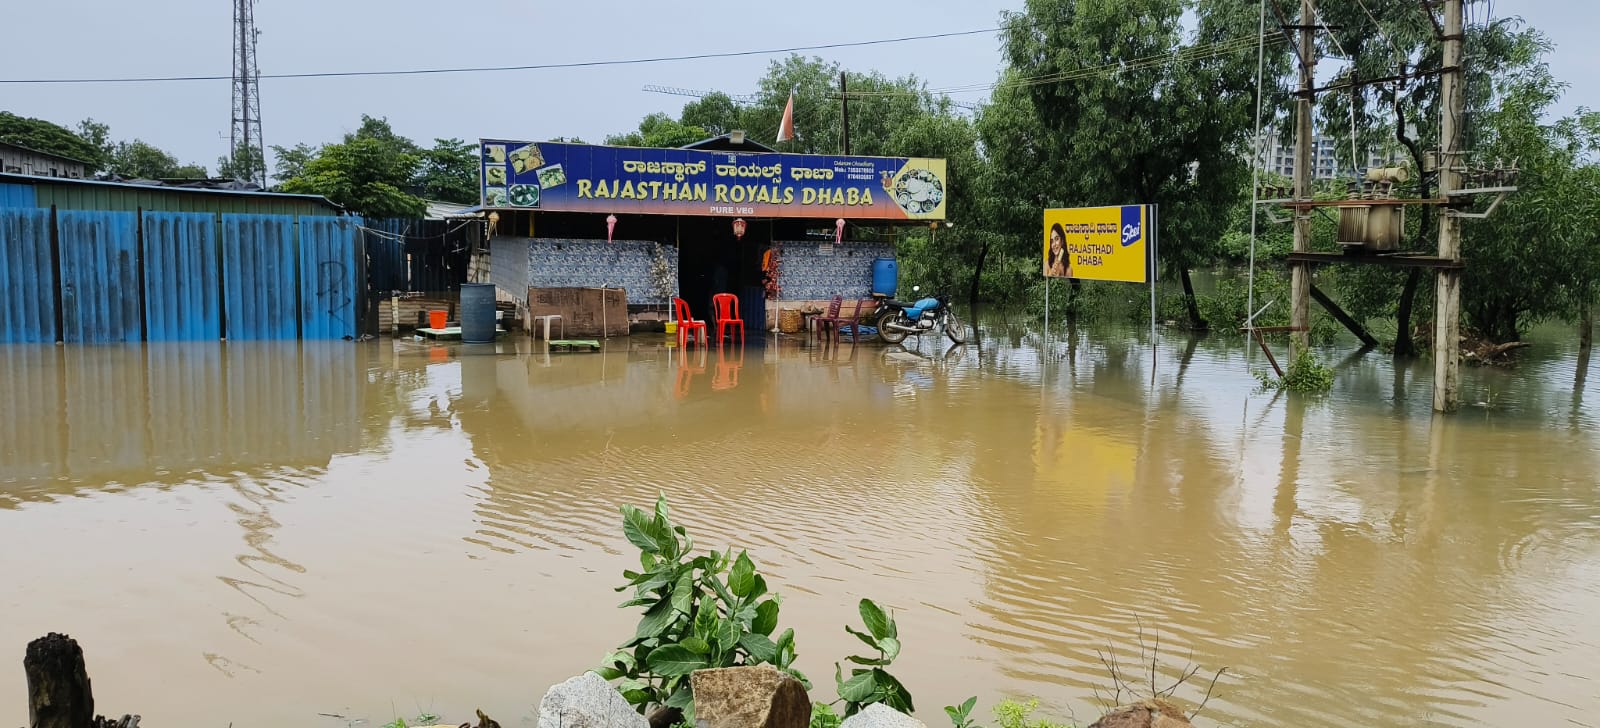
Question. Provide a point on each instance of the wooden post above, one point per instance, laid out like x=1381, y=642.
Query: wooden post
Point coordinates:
x=1300, y=273
x=1447, y=309
x=58, y=684
x=1342, y=317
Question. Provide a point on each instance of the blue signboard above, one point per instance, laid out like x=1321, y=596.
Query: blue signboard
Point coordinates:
x=585, y=178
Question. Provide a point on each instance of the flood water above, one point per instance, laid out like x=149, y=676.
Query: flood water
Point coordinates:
x=257, y=535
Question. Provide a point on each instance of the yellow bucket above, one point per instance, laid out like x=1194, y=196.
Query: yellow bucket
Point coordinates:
x=672, y=328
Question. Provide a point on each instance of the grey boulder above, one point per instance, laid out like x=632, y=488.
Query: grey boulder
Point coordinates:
x=587, y=701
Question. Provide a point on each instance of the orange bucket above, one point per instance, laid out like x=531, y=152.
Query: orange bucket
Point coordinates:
x=438, y=319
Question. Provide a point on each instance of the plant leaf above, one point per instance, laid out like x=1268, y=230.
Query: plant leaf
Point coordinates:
x=859, y=688
x=675, y=660
x=634, y=691
x=893, y=693
x=655, y=622
x=966, y=708
x=760, y=648
x=607, y=673
x=683, y=593
x=697, y=646
x=727, y=634
x=766, y=618
x=640, y=530
x=681, y=698
x=742, y=580
x=868, y=661
x=890, y=647
x=864, y=637
x=878, y=622
x=661, y=507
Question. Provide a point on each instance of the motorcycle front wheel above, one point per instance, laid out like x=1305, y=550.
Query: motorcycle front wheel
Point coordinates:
x=890, y=336
x=953, y=328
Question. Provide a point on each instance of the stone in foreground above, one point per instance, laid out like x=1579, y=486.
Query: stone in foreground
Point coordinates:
x=587, y=701
x=749, y=697
x=1144, y=714
x=879, y=715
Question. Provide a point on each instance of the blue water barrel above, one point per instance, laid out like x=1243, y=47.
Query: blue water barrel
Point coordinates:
x=477, y=313
x=885, y=276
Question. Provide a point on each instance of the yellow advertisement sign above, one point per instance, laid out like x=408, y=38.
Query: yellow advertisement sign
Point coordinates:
x=1099, y=243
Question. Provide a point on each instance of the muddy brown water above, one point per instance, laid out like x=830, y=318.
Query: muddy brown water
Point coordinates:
x=274, y=534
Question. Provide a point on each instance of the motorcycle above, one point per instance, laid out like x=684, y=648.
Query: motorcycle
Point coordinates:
x=900, y=319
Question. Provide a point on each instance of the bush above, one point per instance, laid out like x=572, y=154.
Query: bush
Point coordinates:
x=1305, y=374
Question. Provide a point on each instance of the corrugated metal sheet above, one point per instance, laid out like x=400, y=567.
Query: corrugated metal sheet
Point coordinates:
x=70, y=194
x=15, y=195
x=258, y=277
x=329, y=296
x=99, y=276
x=182, y=279
x=27, y=280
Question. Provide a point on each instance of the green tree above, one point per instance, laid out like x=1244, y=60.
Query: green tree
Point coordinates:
x=245, y=164
x=97, y=134
x=449, y=172
x=291, y=161
x=138, y=159
x=1174, y=129
x=715, y=112
x=660, y=131
x=1534, y=257
x=43, y=136
x=371, y=172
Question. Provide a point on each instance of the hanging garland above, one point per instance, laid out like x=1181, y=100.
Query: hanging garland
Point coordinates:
x=769, y=276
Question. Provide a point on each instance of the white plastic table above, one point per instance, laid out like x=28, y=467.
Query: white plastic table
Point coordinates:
x=546, y=320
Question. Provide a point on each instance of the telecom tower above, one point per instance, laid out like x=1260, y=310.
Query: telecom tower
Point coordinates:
x=247, y=94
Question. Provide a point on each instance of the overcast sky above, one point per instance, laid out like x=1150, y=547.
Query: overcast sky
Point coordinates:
x=96, y=38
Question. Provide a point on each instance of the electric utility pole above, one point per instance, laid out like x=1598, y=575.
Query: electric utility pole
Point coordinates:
x=1447, y=309
x=1300, y=274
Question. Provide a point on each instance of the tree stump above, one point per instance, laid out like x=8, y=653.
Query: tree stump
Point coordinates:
x=58, y=684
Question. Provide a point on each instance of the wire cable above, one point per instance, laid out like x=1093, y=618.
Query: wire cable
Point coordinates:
x=528, y=67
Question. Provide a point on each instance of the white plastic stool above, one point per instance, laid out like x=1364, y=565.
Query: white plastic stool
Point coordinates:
x=546, y=320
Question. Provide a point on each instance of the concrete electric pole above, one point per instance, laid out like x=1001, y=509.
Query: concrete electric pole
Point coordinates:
x=1300, y=274
x=1447, y=309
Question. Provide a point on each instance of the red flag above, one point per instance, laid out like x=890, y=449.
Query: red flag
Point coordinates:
x=786, y=128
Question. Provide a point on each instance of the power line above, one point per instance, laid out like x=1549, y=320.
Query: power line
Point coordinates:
x=1191, y=53
x=1379, y=26
x=529, y=67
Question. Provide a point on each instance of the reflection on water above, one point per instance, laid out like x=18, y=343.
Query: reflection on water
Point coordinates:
x=380, y=528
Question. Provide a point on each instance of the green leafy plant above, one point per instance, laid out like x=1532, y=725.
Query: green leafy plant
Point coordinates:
x=1012, y=714
x=1305, y=374
x=871, y=683
x=701, y=612
x=961, y=716
x=822, y=716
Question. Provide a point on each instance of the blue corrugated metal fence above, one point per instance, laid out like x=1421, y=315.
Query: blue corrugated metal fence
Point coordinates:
x=182, y=281
x=329, y=289
x=258, y=277
x=111, y=277
x=27, y=285
x=99, y=276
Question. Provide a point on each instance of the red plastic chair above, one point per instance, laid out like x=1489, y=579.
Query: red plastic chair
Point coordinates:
x=725, y=312
x=827, y=319
x=687, y=324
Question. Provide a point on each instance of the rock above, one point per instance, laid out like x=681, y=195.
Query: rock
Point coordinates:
x=749, y=697
x=879, y=715
x=1144, y=714
x=587, y=701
